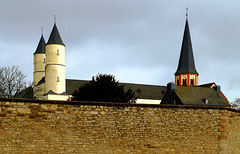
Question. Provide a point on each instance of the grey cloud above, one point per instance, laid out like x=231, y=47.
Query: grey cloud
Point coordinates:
x=138, y=41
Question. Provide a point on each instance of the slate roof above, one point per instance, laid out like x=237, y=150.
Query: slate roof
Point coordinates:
x=141, y=91
x=186, y=61
x=187, y=95
x=53, y=93
x=41, y=46
x=55, y=37
x=41, y=81
x=26, y=93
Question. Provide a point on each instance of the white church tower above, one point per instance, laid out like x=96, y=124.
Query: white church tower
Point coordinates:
x=50, y=69
x=39, y=68
x=55, y=74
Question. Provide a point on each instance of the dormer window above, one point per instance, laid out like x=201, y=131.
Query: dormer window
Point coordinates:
x=139, y=91
x=206, y=101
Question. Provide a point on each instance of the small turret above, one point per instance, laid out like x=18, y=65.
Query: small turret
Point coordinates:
x=39, y=67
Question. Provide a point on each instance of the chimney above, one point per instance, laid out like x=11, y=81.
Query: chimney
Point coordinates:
x=217, y=88
x=171, y=86
x=170, y=98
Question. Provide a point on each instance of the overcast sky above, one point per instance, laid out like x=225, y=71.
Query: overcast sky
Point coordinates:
x=137, y=41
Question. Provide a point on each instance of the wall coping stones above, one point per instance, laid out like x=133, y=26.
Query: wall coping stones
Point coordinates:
x=116, y=104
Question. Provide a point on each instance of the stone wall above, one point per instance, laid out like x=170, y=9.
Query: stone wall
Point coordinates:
x=36, y=126
x=231, y=142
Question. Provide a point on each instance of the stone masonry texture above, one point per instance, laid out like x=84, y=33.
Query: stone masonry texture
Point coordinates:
x=37, y=126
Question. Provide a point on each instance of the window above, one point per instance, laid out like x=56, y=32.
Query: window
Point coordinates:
x=178, y=83
x=58, y=79
x=44, y=60
x=192, y=81
x=184, y=82
x=57, y=51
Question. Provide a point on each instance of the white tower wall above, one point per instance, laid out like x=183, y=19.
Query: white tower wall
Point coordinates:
x=38, y=74
x=39, y=68
x=55, y=76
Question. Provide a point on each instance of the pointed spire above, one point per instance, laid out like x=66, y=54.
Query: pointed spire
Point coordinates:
x=41, y=46
x=186, y=61
x=55, y=37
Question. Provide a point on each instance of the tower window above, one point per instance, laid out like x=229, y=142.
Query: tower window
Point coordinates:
x=184, y=82
x=178, y=83
x=57, y=51
x=58, y=79
x=192, y=81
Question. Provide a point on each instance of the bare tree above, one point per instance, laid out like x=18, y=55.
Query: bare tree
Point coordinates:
x=236, y=104
x=12, y=81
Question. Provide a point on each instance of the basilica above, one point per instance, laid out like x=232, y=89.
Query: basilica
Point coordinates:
x=50, y=83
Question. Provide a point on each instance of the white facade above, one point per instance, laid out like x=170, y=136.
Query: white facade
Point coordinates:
x=39, y=67
x=148, y=101
x=56, y=97
x=39, y=70
x=55, y=76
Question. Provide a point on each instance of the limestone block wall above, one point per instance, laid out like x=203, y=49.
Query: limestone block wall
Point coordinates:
x=37, y=126
x=231, y=129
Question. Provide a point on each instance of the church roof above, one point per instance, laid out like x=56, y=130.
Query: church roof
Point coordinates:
x=187, y=95
x=41, y=46
x=55, y=37
x=50, y=92
x=186, y=61
x=142, y=91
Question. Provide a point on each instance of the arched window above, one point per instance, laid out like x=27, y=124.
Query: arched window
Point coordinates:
x=178, y=84
x=184, y=82
x=192, y=81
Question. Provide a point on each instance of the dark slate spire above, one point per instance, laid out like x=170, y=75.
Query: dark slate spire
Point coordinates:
x=55, y=37
x=186, y=61
x=41, y=46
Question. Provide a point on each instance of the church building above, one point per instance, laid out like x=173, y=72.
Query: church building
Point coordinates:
x=50, y=82
x=49, y=76
x=185, y=90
